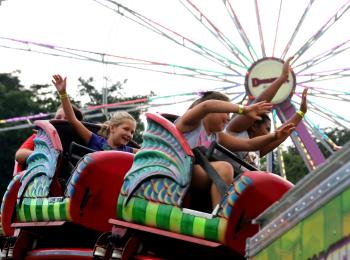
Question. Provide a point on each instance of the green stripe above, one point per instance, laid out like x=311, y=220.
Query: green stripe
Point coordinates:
x=211, y=229
x=139, y=211
x=20, y=212
x=127, y=210
x=50, y=211
x=199, y=227
x=32, y=207
x=39, y=209
x=56, y=211
x=119, y=212
x=187, y=224
x=175, y=220
x=151, y=214
x=163, y=216
x=26, y=208
x=63, y=210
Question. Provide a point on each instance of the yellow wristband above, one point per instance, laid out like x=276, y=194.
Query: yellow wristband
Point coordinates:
x=240, y=109
x=63, y=96
x=300, y=113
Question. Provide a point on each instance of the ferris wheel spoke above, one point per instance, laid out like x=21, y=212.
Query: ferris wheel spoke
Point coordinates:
x=214, y=30
x=238, y=96
x=329, y=90
x=324, y=75
x=330, y=94
x=44, y=53
x=341, y=11
x=322, y=57
x=128, y=62
x=320, y=134
x=228, y=87
x=257, y=13
x=335, y=97
x=240, y=30
x=48, y=49
x=296, y=30
x=322, y=113
x=276, y=31
x=178, y=70
x=175, y=37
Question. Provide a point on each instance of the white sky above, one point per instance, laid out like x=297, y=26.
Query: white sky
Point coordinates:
x=86, y=25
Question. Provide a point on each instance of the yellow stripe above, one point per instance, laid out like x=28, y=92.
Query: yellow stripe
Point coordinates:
x=127, y=210
x=199, y=227
x=21, y=214
x=32, y=210
x=222, y=229
x=151, y=214
x=45, y=209
x=56, y=211
x=69, y=217
x=175, y=219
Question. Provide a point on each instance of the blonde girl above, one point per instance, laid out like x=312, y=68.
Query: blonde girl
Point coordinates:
x=115, y=134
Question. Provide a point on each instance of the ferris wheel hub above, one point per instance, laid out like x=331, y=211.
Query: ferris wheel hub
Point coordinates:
x=262, y=73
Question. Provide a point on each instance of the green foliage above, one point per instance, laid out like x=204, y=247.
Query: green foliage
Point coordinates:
x=294, y=164
x=15, y=100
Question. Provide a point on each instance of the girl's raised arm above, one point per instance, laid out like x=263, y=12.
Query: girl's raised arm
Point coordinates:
x=61, y=84
x=192, y=117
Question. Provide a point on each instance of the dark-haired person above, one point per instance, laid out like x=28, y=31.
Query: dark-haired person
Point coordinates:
x=204, y=122
x=262, y=127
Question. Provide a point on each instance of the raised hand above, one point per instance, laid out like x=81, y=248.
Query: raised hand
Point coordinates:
x=60, y=83
x=257, y=109
x=286, y=68
x=303, y=104
x=284, y=131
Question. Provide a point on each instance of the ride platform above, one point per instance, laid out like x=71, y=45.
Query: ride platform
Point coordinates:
x=312, y=220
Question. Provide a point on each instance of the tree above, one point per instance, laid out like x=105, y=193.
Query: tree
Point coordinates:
x=15, y=100
x=294, y=164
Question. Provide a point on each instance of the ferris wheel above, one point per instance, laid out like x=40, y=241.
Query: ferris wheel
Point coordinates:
x=238, y=48
x=247, y=56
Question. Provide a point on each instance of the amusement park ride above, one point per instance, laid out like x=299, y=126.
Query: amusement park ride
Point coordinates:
x=74, y=203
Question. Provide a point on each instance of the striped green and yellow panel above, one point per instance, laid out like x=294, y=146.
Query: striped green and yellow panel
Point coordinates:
x=43, y=209
x=171, y=218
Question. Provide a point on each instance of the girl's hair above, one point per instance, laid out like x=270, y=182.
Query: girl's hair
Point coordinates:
x=208, y=95
x=117, y=119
